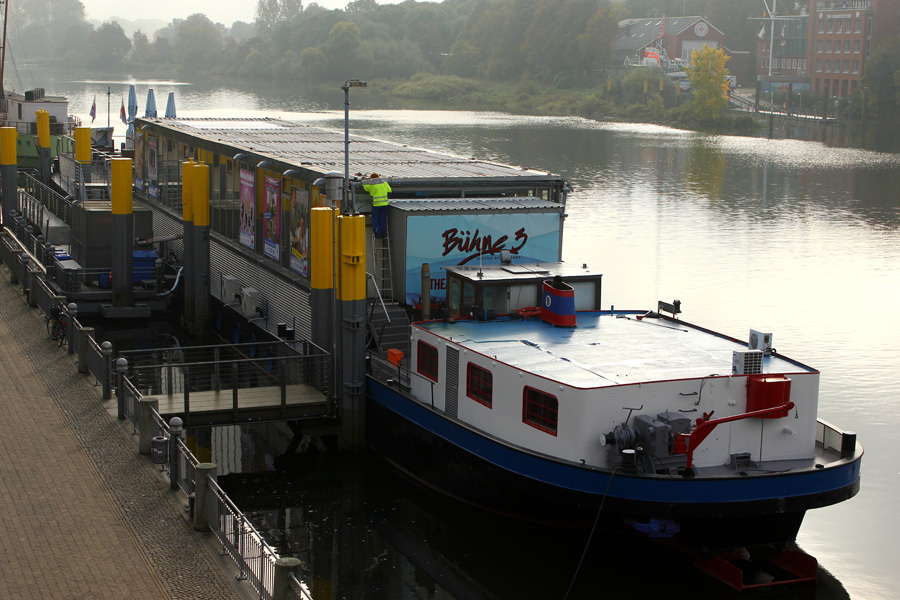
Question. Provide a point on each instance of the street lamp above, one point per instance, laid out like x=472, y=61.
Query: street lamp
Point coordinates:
x=346, y=87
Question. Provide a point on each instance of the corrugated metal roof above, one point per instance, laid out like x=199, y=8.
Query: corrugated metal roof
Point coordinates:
x=458, y=204
x=322, y=150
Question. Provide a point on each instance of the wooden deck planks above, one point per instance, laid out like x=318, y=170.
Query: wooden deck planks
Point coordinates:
x=262, y=397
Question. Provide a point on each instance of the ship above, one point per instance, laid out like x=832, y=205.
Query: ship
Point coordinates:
x=527, y=399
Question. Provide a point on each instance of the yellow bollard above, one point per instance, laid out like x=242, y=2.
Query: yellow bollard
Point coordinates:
x=8, y=152
x=83, y=145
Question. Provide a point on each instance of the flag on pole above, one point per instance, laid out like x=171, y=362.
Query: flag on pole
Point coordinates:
x=122, y=114
x=762, y=32
x=94, y=110
x=782, y=34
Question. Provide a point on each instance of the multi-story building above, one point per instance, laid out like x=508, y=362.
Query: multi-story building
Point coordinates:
x=843, y=34
x=787, y=41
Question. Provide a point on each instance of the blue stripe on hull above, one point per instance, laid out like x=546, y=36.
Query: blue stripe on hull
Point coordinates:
x=647, y=488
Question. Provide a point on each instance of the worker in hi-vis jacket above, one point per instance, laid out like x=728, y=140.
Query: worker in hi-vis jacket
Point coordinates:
x=378, y=189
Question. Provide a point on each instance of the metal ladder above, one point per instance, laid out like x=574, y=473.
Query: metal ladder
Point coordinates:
x=381, y=253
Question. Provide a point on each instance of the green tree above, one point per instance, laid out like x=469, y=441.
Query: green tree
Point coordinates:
x=109, y=46
x=271, y=12
x=198, y=44
x=596, y=42
x=550, y=44
x=707, y=76
x=464, y=60
x=882, y=77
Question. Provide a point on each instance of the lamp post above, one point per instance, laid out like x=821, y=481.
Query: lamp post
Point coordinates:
x=346, y=87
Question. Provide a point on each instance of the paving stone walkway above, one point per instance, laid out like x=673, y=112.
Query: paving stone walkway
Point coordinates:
x=84, y=515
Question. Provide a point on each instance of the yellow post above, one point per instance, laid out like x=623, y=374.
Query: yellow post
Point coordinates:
x=120, y=176
x=608, y=84
x=645, y=86
x=320, y=252
x=8, y=152
x=187, y=191
x=43, y=127
x=353, y=257
x=201, y=195
x=661, y=80
x=83, y=145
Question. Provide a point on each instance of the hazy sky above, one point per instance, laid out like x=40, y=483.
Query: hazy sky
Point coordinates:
x=221, y=11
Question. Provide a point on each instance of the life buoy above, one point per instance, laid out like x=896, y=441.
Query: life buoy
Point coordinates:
x=528, y=312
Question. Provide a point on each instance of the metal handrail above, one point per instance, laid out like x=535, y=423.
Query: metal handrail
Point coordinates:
x=25, y=250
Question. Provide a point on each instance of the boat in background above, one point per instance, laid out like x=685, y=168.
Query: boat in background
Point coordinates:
x=19, y=111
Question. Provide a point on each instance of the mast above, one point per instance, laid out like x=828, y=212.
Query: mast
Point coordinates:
x=3, y=49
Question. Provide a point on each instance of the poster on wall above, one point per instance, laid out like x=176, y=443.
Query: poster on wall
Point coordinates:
x=248, y=212
x=473, y=239
x=139, y=150
x=272, y=217
x=300, y=232
x=152, y=157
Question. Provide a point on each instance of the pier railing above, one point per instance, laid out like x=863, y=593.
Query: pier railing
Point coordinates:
x=255, y=558
x=221, y=367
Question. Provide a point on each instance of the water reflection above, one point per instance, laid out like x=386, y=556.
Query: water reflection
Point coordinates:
x=364, y=531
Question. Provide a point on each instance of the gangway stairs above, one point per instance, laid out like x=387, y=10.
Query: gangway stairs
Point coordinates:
x=388, y=327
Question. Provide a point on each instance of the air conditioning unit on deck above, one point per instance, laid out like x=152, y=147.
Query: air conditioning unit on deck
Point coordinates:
x=760, y=341
x=747, y=362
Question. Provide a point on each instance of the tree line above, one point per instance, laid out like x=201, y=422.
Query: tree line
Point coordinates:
x=551, y=44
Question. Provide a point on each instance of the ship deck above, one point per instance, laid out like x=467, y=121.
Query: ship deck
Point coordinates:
x=606, y=349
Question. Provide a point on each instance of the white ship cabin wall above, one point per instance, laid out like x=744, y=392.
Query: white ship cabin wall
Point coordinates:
x=21, y=111
x=585, y=415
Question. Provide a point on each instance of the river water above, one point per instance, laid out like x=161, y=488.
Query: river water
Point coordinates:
x=798, y=238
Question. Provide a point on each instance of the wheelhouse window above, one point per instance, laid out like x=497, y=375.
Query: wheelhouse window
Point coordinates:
x=427, y=360
x=540, y=410
x=479, y=384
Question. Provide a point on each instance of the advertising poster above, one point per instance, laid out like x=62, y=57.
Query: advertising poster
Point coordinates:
x=300, y=232
x=271, y=217
x=473, y=239
x=139, y=161
x=248, y=212
x=152, y=156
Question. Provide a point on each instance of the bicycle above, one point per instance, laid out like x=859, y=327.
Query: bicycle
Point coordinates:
x=56, y=324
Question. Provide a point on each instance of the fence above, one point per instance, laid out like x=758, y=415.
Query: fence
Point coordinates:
x=236, y=367
x=254, y=557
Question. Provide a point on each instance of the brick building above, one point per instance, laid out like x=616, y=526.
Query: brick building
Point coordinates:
x=843, y=34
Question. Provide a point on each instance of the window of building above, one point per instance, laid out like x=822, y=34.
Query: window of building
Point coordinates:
x=839, y=27
x=846, y=66
x=540, y=410
x=855, y=66
x=427, y=361
x=855, y=46
x=828, y=46
x=847, y=23
x=819, y=46
x=821, y=26
x=828, y=66
x=846, y=46
x=857, y=26
x=819, y=65
x=830, y=26
x=479, y=384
